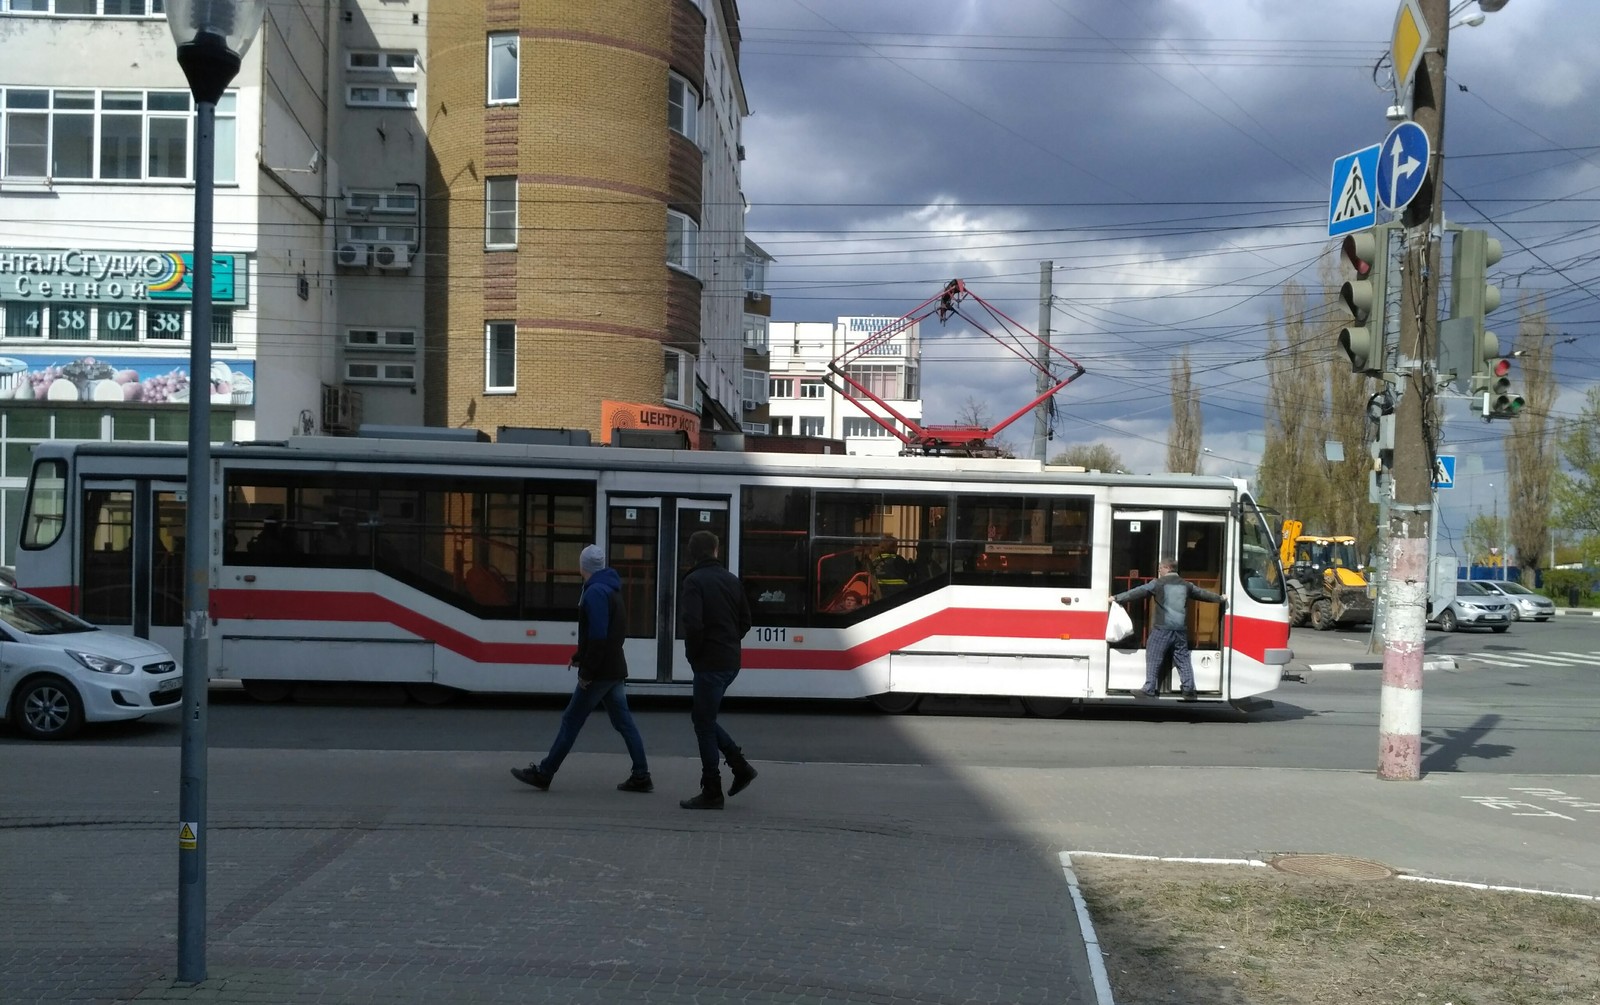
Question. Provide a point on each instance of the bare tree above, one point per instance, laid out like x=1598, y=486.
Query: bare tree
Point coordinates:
x=1530, y=448
x=1183, y=440
x=1293, y=475
x=1094, y=456
x=975, y=413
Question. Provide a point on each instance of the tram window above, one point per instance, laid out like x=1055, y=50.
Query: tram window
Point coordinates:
x=1259, y=572
x=560, y=523
x=1023, y=541
x=46, y=507
x=774, y=527
x=107, y=571
x=874, y=549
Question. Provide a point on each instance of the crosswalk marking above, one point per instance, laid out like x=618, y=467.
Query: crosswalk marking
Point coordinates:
x=1527, y=659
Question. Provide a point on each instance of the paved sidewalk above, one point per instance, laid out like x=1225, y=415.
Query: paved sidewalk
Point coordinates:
x=354, y=876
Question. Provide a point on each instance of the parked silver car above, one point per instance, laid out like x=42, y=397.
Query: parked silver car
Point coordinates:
x=1475, y=606
x=1525, y=604
x=57, y=672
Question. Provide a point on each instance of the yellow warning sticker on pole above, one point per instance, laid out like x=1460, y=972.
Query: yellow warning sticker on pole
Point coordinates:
x=187, y=839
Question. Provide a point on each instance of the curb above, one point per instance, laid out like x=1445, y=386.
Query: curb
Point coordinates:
x=1448, y=663
x=1567, y=612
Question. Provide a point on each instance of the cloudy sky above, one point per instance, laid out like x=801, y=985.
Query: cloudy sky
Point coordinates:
x=1172, y=158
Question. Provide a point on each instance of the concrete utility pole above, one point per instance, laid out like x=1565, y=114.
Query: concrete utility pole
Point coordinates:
x=1041, y=384
x=1410, y=516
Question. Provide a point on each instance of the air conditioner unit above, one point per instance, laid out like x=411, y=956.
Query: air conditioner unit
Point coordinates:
x=391, y=256
x=354, y=254
x=751, y=406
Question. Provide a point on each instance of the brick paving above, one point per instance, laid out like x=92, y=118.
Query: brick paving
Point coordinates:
x=491, y=892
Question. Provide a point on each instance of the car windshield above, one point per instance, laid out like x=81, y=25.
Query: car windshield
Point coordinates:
x=1473, y=590
x=1516, y=588
x=29, y=614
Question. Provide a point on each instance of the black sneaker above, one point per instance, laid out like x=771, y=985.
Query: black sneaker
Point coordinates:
x=637, y=783
x=533, y=776
x=1189, y=696
x=1146, y=692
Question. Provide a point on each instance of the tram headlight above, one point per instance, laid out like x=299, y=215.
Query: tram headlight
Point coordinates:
x=101, y=664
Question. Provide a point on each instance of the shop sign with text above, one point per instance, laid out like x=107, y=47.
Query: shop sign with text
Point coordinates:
x=69, y=275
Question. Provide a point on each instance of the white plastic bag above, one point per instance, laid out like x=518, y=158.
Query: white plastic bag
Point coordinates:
x=1118, y=625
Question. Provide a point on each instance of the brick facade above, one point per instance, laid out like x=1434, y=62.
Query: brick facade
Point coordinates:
x=596, y=168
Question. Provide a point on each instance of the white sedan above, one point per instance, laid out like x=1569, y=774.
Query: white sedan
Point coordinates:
x=58, y=672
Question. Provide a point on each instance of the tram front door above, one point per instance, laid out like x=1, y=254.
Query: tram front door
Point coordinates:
x=1198, y=541
x=130, y=577
x=647, y=542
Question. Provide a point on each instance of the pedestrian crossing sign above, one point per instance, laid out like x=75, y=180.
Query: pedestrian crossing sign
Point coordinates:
x=1353, y=196
x=1444, y=471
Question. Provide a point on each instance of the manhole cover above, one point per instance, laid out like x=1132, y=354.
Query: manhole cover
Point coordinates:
x=1331, y=867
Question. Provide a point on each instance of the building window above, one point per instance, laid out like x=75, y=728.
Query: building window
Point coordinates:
x=501, y=352
x=500, y=212
x=811, y=425
x=683, y=238
x=382, y=233
x=813, y=389
x=221, y=326
x=781, y=387
x=381, y=60
x=381, y=338
x=863, y=428
x=365, y=202
x=677, y=377
x=88, y=135
x=683, y=107
x=755, y=332
x=755, y=274
x=883, y=380
x=380, y=373
x=753, y=386
x=782, y=426
x=503, y=81
x=381, y=96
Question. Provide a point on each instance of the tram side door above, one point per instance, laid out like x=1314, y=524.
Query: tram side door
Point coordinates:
x=130, y=558
x=1135, y=550
x=647, y=542
x=1202, y=543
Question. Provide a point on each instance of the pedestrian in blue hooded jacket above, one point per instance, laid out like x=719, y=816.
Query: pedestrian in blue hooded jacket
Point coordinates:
x=602, y=676
x=1170, y=631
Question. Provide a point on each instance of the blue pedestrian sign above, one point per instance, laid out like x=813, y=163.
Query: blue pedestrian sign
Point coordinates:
x=1402, y=165
x=1353, y=199
x=1444, y=471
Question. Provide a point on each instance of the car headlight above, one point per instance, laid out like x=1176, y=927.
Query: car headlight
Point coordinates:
x=100, y=664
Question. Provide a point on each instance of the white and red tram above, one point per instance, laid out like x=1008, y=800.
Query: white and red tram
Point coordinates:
x=455, y=565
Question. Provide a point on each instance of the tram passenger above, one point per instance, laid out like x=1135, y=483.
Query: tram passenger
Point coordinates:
x=890, y=570
x=602, y=677
x=1171, y=630
x=715, y=617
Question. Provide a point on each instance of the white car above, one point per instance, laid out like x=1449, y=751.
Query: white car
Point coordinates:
x=1525, y=604
x=57, y=672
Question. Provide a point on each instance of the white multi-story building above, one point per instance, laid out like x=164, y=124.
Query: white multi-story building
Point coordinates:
x=803, y=400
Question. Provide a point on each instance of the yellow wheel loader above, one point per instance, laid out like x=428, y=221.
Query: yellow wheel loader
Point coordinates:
x=1324, y=580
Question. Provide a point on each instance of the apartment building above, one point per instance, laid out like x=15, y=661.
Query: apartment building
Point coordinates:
x=501, y=214
x=804, y=395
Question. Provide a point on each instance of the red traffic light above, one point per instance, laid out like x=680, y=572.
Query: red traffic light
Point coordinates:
x=1501, y=367
x=1359, y=250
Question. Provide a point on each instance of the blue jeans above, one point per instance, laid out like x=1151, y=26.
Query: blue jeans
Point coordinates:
x=614, y=695
x=709, y=687
x=1161, y=640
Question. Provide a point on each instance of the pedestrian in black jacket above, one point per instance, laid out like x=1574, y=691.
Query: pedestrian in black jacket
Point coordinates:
x=715, y=615
x=602, y=676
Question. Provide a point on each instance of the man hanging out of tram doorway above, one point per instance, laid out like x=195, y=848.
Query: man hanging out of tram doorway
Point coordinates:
x=1171, y=629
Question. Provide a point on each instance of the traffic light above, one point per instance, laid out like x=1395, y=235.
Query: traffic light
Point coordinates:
x=1471, y=297
x=1362, y=340
x=1504, y=401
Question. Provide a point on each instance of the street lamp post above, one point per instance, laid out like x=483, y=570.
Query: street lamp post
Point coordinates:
x=212, y=36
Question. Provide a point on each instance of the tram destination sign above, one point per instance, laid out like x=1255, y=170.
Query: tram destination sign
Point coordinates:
x=75, y=275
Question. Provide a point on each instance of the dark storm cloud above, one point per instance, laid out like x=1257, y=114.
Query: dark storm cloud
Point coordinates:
x=1172, y=158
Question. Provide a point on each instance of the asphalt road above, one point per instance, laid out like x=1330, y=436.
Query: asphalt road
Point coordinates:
x=1523, y=702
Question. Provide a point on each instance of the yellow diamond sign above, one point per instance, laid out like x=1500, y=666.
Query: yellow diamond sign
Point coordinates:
x=1410, y=41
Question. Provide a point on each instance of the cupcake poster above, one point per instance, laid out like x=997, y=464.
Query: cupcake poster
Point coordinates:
x=144, y=380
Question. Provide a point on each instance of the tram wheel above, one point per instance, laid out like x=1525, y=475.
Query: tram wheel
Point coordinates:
x=897, y=702
x=1047, y=708
x=431, y=694
x=268, y=690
